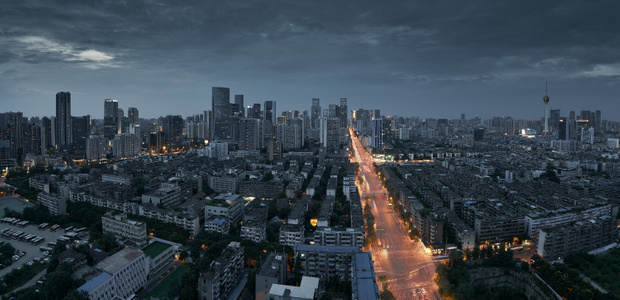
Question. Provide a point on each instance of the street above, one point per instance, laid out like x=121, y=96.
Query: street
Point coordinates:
x=408, y=269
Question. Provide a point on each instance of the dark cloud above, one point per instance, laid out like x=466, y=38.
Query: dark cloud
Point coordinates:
x=412, y=57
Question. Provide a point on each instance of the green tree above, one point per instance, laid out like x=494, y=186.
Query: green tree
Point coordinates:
x=386, y=294
x=58, y=284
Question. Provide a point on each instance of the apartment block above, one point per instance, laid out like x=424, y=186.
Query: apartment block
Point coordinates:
x=223, y=274
x=121, y=227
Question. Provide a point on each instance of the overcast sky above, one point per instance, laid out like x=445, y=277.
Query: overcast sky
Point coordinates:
x=411, y=58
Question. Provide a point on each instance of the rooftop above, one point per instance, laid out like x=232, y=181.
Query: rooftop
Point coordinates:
x=95, y=282
x=154, y=249
x=117, y=261
x=305, y=290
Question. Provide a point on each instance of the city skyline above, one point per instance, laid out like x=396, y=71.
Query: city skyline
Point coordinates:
x=413, y=58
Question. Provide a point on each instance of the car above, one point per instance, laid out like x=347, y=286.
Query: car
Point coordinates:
x=423, y=291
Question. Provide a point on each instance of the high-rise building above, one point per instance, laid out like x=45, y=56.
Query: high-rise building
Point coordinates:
x=572, y=126
x=598, y=126
x=554, y=120
x=255, y=112
x=330, y=138
x=220, y=97
x=334, y=111
x=110, y=119
x=173, y=130
x=270, y=111
x=344, y=113
x=377, y=134
x=315, y=113
x=81, y=131
x=250, y=134
x=239, y=102
x=11, y=131
x=563, y=129
x=122, y=121
x=125, y=145
x=295, y=134
x=95, y=147
x=133, y=116
x=46, y=133
x=64, y=132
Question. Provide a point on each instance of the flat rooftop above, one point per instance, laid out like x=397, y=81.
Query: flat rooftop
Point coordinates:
x=154, y=249
x=117, y=261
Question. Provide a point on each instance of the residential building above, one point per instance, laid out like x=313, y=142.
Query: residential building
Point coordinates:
x=254, y=230
x=217, y=224
x=55, y=204
x=558, y=242
x=326, y=261
x=64, y=128
x=122, y=227
x=227, y=205
x=307, y=290
x=223, y=274
x=273, y=271
x=291, y=235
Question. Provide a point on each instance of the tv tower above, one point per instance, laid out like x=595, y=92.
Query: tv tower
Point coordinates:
x=546, y=100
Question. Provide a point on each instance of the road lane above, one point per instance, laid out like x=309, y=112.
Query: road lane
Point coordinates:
x=404, y=262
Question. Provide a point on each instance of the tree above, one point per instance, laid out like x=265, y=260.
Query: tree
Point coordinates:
x=58, y=284
x=476, y=253
x=75, y=295
x=386, y=294
x=107, y=242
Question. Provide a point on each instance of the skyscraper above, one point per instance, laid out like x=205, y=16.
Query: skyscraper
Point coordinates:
x=554, y=120
x=254, y=111
x=344, y=113
x=270, y=111
x=249, y=134
x=220, y=103
x=81, y=131
x=64, y=132
x=377, y=134
x=173, y=130
x=315, y=113
x=239, y=102
x=110, y=119
x=133, y=116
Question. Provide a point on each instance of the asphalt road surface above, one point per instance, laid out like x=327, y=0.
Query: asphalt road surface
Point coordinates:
x=409, y=270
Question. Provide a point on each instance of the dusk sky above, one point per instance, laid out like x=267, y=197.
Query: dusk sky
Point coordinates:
x=410, y=58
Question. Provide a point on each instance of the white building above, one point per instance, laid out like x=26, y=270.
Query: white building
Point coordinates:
x=123, y=274
x=254, y=230
x=159, y=253
x=307, y=290
x=227, y=205
x=122, y=227
x=56, y=205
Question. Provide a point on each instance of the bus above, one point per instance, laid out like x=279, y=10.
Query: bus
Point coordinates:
x=37, y=240
x=43, y=226
x=81, y=230
x=54, y=227
x=48, y=249
x=68, y=229
x=51, y=244
x=63, y=239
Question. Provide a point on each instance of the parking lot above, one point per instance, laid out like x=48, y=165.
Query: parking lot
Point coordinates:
x=31, y=250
